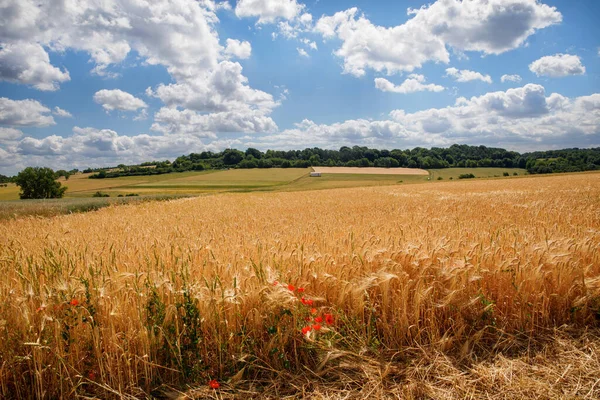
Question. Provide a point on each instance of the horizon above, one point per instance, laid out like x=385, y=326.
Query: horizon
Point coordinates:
x=123, y=82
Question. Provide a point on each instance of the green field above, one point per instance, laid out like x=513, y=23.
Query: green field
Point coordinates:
x=454, y=173
x=80, y=189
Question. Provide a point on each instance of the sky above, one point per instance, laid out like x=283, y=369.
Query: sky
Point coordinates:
x=89, y=83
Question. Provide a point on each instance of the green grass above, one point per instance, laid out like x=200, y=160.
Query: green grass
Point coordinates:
x=330, y=181
x=78, y=197
x=447, y=173
x=52, y=207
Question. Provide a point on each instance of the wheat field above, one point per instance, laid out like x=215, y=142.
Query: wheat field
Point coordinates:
x=479, y=289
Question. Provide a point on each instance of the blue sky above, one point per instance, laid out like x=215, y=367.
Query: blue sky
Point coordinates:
x=125, y=81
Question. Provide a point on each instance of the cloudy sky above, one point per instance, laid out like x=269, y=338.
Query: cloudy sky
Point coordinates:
x=96, y=83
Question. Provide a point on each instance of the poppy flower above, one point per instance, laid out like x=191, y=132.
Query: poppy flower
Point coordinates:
x=214, y=384
x=316, y=327
x=74, y=302
x=329, y=319
x=319, y=320
x=313, y=311
x=301, y=290
x=306, y=329
x=291, y=287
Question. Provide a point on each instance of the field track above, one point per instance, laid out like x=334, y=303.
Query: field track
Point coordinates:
x=370, y=171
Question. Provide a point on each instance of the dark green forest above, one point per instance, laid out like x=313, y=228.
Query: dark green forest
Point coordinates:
x=539, y=162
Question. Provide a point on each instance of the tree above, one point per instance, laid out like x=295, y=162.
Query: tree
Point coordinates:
x=232, y=156
x=39, y=183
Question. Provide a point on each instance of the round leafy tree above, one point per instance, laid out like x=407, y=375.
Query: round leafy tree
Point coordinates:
x=39, y=183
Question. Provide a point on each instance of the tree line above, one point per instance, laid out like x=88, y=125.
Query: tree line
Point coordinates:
x=465, y=156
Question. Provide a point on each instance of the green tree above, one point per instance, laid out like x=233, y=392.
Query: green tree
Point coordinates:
x=39, y=183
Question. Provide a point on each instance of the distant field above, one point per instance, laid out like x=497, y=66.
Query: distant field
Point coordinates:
x=371, y=171
x=454, y=173
x=52, y=207
x=243, y=180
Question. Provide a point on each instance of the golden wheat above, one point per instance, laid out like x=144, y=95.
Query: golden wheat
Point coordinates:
x=128, y=299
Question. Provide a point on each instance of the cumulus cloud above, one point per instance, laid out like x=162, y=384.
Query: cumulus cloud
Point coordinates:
x=557, y=66
x=29, y=64
x=414, y=83
x=302, y=52
x=173, y=121
x=177, y=34
x=465, y=75
x=116, y=99
x=24, y=113
x=223, y=89
x=518, y=117
x=510, y=78
x=268, y=11
x=59, y=112
x=487, y=26
x=100, y=147
x=238, y=49
x=9, y=134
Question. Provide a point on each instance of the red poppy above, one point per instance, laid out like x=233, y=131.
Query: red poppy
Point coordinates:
x=313, y=311
x=291, y=287
x=319, y=320
x=214, y=384
x=74, y=302
x=306, y=302
x=316, y=327
x=301, y=290
x=306, y=329
x=329, y=319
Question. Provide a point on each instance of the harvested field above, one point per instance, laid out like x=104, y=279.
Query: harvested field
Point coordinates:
x=477, y=289
x=370, y=171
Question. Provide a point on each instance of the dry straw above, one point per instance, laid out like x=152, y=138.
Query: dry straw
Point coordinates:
x=447, y=290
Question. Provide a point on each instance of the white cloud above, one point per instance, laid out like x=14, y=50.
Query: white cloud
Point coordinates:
x=101, y=147
x=557, y=66
x=116, y=99
x=223, y=89
x=510, y=78
x=302, y=52
x=29, y=64
x=487, y=26
x=519, y=117
x=364, y=45
x=24, y=113
x=178, y=34
x=59, y=112
x=414, y=83
x=268, y=11
x=311, y=45
x=465, y=75
x=173, y=121
x=238, y=49
x=9, y=134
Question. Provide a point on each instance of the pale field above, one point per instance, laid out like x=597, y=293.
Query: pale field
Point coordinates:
x=371, y=170
x=476, y=289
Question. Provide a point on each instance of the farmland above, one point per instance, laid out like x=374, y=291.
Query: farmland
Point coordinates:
x=479, y=288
